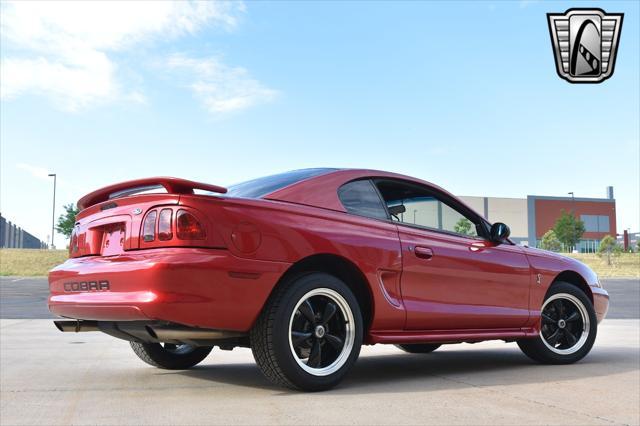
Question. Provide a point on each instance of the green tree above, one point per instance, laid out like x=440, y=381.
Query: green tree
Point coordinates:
x=568, y=229
x=463, y=226
x=550, y=241
x=67, y=220
x=609, y=246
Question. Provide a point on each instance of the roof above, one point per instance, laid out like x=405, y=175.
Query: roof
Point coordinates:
x=322, y=191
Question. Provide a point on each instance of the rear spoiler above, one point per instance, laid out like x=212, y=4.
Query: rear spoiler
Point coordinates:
x=171, y=184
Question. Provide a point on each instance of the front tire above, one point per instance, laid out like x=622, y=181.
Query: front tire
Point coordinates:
x=419, y=348
x=309, y=334
x=568, y=327
x=170, y=357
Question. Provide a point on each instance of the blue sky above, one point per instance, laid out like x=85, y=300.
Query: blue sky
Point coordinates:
x=461, y=94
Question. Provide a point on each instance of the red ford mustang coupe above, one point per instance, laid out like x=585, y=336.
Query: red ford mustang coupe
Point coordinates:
x=306, y=266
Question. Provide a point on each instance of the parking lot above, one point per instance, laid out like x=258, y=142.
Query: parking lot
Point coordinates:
x=48, y=377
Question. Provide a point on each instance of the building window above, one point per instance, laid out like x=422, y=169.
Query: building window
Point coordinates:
x=595, y=223
x=588, y=246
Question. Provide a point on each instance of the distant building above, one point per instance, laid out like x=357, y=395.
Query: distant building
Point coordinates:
x=12, y=236
x=530, y=218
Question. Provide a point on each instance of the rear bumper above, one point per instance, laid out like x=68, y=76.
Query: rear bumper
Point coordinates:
x=198, y=287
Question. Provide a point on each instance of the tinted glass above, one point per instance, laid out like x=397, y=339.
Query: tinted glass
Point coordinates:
x=433, y=213
x=260, y=187
x=361, y=198
x=415, y=205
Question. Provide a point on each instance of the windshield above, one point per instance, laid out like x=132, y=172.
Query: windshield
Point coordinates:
x=260, y=187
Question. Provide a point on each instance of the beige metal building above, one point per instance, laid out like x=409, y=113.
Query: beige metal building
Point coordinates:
x=512, y=211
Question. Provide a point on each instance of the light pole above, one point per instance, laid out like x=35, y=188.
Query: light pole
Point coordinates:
x=573, y=202
x=573, y=208
x=53, y=213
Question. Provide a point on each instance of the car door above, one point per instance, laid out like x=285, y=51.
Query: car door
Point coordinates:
x=453, y=277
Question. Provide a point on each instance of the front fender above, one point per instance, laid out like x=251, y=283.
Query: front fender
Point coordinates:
x=548, y=267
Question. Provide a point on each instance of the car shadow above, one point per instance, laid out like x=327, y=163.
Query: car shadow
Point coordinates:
x=437, y=371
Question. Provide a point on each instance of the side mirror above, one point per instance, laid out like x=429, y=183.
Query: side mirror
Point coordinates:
x=499, y=232
x=396, y=210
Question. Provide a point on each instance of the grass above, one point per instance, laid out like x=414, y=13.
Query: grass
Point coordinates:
x=32, y=263
x=29, y=263
x=626, y=265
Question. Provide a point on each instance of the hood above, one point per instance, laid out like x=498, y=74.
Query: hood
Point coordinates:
x=546, y=253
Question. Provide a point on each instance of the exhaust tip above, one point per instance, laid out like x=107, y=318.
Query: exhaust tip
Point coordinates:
x=76, y=326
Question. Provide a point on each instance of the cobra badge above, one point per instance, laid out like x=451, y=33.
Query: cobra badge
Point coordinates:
x=585, y=43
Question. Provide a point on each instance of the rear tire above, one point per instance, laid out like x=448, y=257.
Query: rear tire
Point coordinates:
x=568, y=327
x=309, y=334
x=170, y=357
x=419, y=348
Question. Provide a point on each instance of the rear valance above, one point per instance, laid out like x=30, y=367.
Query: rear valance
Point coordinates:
x=171, y=184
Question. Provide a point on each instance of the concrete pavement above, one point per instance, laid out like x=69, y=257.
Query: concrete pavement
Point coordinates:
x=624, y=294
x=47, y=377
x=24, y=297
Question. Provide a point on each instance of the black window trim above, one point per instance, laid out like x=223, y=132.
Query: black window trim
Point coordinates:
x=384, y=204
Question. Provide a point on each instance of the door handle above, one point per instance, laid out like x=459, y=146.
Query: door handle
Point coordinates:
x=423, y=252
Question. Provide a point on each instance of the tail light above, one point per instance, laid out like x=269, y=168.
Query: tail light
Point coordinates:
x=73, y=244
x=171, y=227
x=149, y=227
x=165, y=225
x=188, y=227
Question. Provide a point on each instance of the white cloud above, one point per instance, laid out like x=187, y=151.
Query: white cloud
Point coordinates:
x=77, y=83
x=220, y=87
x=65, y=49
x=35, y=171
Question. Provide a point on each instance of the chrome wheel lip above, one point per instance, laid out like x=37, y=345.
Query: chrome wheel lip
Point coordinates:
x=582, y=310
x=350, y=332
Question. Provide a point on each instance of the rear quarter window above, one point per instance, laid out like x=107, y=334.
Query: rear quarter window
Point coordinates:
x=361, y=198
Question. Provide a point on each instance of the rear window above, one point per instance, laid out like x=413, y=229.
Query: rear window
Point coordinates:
x=260, y=187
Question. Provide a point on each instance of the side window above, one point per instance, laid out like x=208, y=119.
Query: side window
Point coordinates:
x=361, y=198
x=415, y=205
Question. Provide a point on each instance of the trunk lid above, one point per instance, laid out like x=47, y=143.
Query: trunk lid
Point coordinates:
x=110, y=222
x=112, y=227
